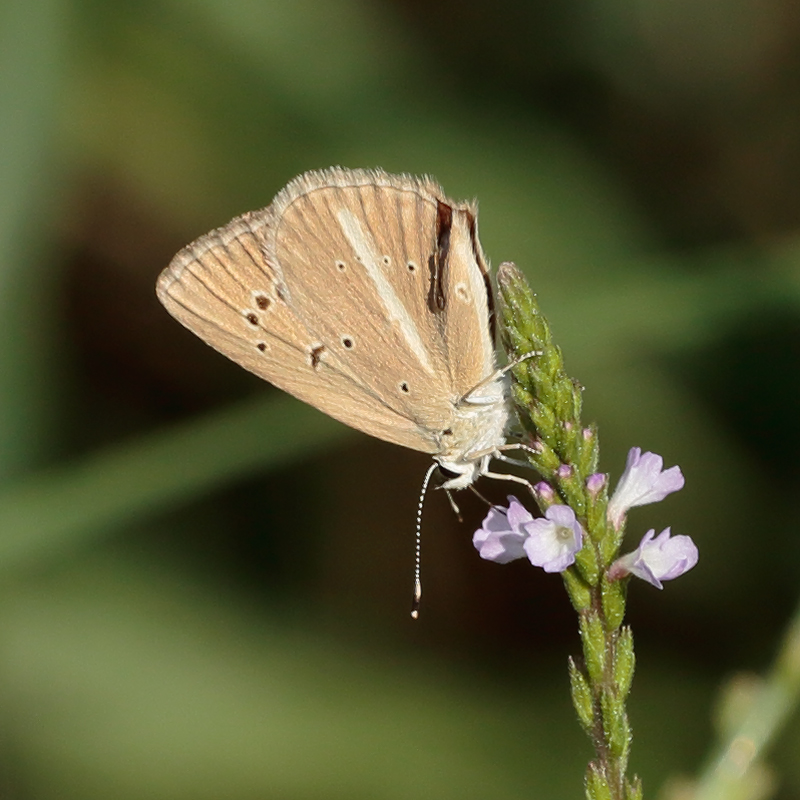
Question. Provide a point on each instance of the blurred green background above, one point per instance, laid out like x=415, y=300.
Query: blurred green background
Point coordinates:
x=205, y=585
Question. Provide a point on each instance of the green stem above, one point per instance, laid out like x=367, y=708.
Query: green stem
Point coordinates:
x=735, y=769
x=566, y=454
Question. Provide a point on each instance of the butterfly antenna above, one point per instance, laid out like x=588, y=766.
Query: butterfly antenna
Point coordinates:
x=418, y=545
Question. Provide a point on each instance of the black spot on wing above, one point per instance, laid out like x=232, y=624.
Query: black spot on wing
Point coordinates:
x=437, y=263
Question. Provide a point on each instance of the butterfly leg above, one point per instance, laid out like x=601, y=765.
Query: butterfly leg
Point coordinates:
x=519, y=446
x=486, y=455
x=502, y=476
x=474, y=491
x=453, y=505
x=516, y=462
x=511, y=364
x=496, y=375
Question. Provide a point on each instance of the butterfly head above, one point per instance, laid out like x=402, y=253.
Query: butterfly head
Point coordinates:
x=478, y=430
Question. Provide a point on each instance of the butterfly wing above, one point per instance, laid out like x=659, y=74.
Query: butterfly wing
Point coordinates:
x=330, y=294
x=220, y=288
x=462, y=302
x=394, y=244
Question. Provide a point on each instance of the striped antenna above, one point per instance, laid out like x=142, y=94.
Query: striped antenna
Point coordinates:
x=418, y=545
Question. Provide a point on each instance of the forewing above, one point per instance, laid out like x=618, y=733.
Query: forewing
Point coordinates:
x=224, y=289
x=356, y=251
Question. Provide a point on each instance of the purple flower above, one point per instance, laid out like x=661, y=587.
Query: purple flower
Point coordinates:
x=544, y=491
x=501, y=537
x=657, y=559
x=595, y=483
x=644, y=481
x=553, y=539
x=549, y=542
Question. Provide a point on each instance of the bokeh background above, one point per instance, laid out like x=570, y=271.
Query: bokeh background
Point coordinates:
x=206, y=585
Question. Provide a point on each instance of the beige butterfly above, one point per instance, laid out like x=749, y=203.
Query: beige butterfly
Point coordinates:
x=366, y=295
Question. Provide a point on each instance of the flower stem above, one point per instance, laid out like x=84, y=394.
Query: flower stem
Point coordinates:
x=735, y=769
x=566, y=455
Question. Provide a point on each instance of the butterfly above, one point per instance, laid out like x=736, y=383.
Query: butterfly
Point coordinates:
x=366, y=295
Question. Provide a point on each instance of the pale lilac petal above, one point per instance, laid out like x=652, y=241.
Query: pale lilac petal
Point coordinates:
x=668, y=557
x=499, y=547
x=517, y=514
x=553, y=539
x=501, y=536
x=644, y=481
x=563, y=515
x=658, y=559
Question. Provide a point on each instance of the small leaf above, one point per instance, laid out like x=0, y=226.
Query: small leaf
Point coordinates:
x=581, y=697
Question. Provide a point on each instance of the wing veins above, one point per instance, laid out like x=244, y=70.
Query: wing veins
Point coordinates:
x=223, y=265
x=346, y=375
x=256, y=264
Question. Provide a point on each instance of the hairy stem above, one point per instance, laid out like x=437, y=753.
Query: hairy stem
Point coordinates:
x=566, y=455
